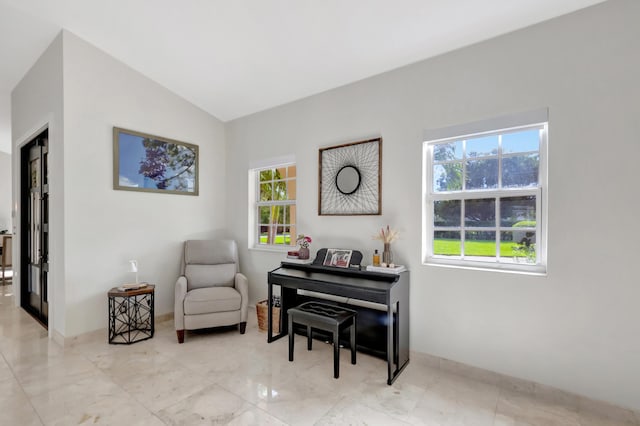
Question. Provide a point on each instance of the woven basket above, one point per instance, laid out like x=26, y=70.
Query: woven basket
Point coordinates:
x=262, y=311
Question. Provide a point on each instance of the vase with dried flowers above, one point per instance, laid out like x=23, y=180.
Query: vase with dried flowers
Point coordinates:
x=387, y=236
x=303, y=241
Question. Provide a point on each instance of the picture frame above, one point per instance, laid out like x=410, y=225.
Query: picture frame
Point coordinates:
x=149, y=163
x=350, y=179
x=338, y=258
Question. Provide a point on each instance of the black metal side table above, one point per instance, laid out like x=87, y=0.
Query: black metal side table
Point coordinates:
x=131, y=316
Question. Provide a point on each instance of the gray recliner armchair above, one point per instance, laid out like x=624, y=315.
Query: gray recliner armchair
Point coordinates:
x=211, y=292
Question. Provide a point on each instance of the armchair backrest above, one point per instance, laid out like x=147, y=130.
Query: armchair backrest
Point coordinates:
x=210, y=263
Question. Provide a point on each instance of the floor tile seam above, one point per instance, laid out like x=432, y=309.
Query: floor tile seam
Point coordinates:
x=174, y=402
x=394, y=416
x=195, y=370
x=148, y=409
x=381, y=410
x=121, y=391
x=81, y=373
x=36, y=412
x=24, y=393
x=232, y=392
x=503, y=395
x=329, y=410
x=495, y=407
x=132, y=397
x=264, y=411
x=154, y=414
x=9, y=366
x=30, y=401
x=107, y=370
x=65, y=385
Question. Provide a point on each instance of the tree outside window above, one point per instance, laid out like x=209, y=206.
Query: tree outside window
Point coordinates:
x=276, y=205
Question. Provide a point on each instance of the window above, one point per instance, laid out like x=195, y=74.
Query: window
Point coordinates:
x=484, y=199
x=274, y=201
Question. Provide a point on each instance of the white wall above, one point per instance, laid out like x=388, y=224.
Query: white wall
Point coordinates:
x=577, y=327
x=36, y=103
x=104, y=228
x=5, y=161
x=5, y=192
x=5, y=122
x=96, y=229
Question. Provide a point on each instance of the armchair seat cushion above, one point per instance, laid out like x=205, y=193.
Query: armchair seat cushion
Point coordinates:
x=212, y=299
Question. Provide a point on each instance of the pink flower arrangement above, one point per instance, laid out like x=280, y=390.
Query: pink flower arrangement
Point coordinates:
x=303, y=240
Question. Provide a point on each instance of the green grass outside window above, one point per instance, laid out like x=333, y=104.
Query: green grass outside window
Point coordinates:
x=450, y=247
x=280, y=239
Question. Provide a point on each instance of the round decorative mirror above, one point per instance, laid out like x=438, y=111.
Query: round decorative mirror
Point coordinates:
x=348, y=180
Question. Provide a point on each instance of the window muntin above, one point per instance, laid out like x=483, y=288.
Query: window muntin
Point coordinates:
x=483, y=200
x=275, y=206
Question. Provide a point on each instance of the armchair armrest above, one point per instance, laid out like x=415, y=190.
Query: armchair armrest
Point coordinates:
x=178, y=310
x=242, y=285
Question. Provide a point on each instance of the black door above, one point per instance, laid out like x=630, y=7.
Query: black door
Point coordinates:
x=34, y=247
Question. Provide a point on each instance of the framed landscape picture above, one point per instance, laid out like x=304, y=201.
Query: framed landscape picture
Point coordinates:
x=338, y=258
x=143, y=162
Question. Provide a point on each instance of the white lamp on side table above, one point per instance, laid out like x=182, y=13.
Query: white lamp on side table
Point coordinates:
x=133, y=267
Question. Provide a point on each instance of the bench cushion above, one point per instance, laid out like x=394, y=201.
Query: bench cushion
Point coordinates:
x=323, y=313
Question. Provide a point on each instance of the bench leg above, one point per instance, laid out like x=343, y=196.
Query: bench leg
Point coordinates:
x=309, y=338
x=290, y=338
x=352, y=342
x=336, y=353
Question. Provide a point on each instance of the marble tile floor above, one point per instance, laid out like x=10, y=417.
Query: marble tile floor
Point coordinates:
x=222, y=377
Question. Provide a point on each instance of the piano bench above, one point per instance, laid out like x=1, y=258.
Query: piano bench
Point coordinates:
x=326, y=317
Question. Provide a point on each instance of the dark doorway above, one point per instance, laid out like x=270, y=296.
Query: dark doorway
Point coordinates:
x=34, y=235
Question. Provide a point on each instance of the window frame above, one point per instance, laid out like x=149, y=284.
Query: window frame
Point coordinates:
x=255, y=204
x=430, y=197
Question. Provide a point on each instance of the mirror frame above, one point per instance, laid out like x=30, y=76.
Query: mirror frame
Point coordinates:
x=358, y=175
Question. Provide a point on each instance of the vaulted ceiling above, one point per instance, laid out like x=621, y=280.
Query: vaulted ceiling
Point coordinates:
x=234, y=58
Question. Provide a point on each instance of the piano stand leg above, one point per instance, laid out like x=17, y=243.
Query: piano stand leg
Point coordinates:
x=291, y=339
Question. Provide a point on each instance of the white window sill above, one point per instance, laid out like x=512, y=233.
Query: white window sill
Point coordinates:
x=510, y=268
x=272, y=249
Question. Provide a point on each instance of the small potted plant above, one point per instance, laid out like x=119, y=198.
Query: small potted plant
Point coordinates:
x=303, y=241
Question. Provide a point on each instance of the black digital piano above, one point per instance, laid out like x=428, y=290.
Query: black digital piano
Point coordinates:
x=381, y=299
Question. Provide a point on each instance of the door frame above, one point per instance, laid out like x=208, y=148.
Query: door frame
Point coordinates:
x=40, y=314
x=45, y=120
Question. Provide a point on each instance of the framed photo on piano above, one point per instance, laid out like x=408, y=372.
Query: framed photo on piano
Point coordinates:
x=338, y=258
